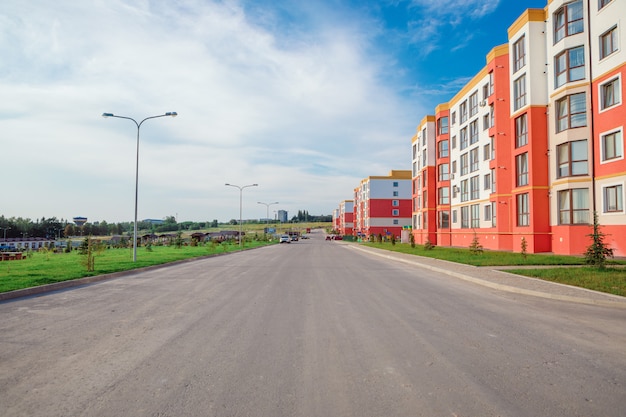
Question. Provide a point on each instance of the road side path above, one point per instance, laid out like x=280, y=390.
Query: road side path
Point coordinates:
x=501, y=280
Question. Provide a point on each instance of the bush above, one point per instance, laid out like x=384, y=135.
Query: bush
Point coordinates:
x=598, y=251
x=475, y=247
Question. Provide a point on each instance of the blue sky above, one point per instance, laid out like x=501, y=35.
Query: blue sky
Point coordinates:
x=305, y=98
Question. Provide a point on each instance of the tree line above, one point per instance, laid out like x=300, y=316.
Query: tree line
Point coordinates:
x=53, y=228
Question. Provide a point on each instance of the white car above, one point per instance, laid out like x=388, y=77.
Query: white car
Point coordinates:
x=284, y=239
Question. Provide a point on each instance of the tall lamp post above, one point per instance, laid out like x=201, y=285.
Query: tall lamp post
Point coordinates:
x=267, y=217
x=105, y=115
x=5, y=233
x=240, y=207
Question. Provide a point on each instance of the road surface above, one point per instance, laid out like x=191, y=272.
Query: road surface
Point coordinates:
x=310, y=328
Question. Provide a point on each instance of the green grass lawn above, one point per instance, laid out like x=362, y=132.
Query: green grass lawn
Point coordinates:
x=608, y=280
x=46, y=268
x=611, y=280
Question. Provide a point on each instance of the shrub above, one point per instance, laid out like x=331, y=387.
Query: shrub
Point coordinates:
x=475, y=247
x=598, y=251
x=428, y=245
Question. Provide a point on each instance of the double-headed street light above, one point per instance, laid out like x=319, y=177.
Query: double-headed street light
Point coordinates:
x=267, y=205
x=240, y=207
x=105, y=115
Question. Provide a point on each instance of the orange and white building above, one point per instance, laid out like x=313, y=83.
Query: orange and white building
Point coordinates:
x=533, y=145
x=346, y=217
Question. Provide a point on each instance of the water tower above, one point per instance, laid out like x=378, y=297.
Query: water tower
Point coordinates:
x=80, y=221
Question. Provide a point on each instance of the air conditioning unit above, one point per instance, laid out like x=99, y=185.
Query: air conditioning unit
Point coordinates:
x=483, y=103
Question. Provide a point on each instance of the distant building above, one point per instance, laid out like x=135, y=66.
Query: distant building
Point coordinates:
x=382, y=204
x=282, y=216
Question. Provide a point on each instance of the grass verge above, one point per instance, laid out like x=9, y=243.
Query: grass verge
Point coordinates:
x=611, y=280
x=47, y=268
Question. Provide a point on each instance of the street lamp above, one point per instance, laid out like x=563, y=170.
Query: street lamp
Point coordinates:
x=267, y=216
x=240, y=207
x=105, y=115
x=5, y=233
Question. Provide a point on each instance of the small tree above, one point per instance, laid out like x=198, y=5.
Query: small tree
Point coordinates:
x=475, y=247
x=598, y=251
x=524, y=247
x=178, y=242
x=412, y=240
x=428, y=245
x=393, y=239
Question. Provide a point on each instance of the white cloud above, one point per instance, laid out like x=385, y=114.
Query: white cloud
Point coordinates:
x=306, y=119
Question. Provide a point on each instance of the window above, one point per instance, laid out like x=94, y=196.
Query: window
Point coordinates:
x=424, y=158
x=395, y=212
x=519, y=92
x=444, y=195
x=493, y=214
x=613, y=198
x=523, y=210
x=574, y=206
x=395, y=203
x=487, y=152
x=521, y=164
x=424, y=137
x=612, y=146
x=491, y=83
x=396, y=221
x=493, y=180
x=572, y=159
x=610, y=94
x=442, y=125
x=453, y=117
x=473, y=103
x=486, y=93
x=571, y=112
x=465, y=217
x=464, y=191
x=395, y=183
x=568, y=20
x=395, y=193
x=486, y=121
x=487, y=182
x=602, y=3
x=463, y=111
x=487, y=212
x=463, y=140
x=570, y=66
x=464, y=164
x=442, y=148
x=444, y=172
x=475, y=215
x=519, y=54
x=473, y=132
x=454, y=216
x=453, y=142
x=521, y=131
x=444, y=219
x=414, y=151
x=475, y=187
x=454, y=167
x=608, y=42
x=474, y=162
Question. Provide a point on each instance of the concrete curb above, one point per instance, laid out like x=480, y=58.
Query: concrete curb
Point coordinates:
x=619, y=302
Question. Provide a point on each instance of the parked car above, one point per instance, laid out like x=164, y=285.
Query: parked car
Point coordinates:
x=284, y=239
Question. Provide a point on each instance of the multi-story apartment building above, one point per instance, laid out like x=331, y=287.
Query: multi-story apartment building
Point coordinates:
x=382, y=204
x=586, y=64
x=423, y=182
x=533, y=145
x=346, y=217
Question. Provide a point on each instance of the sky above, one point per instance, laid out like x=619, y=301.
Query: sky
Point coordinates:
x=303, y=98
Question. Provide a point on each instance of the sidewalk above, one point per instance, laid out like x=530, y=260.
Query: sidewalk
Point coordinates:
x=497, y=278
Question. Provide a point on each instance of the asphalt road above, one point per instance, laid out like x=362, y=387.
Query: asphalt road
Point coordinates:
x=311, y=328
